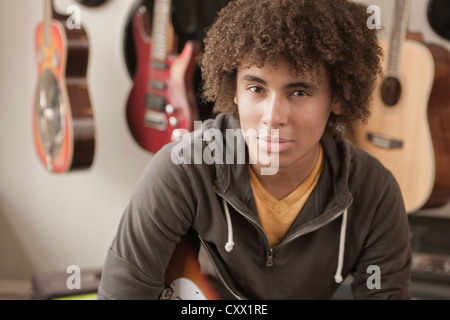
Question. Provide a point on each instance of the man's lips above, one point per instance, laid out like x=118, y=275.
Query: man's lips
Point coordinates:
x=274, y=139
x=274, y=144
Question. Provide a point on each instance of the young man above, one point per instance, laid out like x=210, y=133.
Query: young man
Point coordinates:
x=292, y=75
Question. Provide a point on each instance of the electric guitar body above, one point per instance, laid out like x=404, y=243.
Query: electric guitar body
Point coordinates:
x=162, y=104
x=196, y=272
x=63, y=125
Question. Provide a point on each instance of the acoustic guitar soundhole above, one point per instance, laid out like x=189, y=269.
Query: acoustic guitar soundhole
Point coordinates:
x=391, y=91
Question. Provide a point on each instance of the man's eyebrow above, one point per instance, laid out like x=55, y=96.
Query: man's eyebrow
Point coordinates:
x=299, y=84
x=303, y=84
x=251, y=78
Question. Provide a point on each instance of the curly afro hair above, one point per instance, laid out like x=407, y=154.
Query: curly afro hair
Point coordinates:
x=306, y=33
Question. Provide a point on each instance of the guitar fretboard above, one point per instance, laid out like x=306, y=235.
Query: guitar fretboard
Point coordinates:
x=398, y=35
x=160, y=28
x=47, y=7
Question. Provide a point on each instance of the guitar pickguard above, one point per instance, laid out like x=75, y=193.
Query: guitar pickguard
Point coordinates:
x=183, y=289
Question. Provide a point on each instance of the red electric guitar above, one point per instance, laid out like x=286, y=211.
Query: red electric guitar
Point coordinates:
x=162, y=104
x=63, y=124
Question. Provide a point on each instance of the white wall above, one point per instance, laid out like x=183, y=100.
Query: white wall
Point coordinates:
x=49, y=222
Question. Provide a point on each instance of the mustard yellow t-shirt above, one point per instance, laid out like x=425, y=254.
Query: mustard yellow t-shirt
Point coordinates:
x=277, y=216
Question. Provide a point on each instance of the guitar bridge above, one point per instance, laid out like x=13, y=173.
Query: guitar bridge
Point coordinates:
x=384, y=141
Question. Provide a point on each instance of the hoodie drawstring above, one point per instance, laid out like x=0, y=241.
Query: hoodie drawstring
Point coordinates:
x=230, y=244
x=338, y=276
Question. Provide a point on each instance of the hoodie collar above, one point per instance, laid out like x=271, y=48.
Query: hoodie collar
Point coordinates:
x=233, y=180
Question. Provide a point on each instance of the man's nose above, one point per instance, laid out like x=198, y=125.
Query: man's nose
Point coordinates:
x=276, y=112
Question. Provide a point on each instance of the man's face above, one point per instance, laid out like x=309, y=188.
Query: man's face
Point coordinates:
x=296, y=106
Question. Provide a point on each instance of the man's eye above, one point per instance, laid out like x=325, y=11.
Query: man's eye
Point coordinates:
x=255, y=89
x=300, y=93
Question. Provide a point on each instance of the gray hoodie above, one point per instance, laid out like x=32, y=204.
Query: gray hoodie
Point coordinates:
x=354, y=222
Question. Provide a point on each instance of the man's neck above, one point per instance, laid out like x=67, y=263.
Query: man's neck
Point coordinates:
x=288, y=178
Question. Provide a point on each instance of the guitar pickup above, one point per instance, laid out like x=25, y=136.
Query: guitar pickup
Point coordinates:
x=159, y=65
x=155, y=102
x=155, y=120
x=157, y=85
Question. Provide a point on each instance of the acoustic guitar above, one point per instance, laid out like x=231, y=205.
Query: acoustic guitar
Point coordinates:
x=162, y=104
x=187, y=279
x=409, y=128
x=63, y=124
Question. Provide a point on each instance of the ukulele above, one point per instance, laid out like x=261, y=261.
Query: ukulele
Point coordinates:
x=409, y=128
x=187, y=280
x=63, y=125
x=162, y=104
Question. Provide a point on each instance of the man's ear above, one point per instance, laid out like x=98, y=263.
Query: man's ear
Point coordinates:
x=235, y=99
x=336, y=106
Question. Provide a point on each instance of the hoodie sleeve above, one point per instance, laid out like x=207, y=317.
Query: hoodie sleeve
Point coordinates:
x=160, y=211
x=383, y=268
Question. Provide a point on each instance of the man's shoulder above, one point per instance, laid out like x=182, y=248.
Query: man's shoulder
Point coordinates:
x=367, y=168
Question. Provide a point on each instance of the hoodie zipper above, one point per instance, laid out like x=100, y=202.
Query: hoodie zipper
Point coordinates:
x=269, y=258
x=269, y=261
x=270, y=251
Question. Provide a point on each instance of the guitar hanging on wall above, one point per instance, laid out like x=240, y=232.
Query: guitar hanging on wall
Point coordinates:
x=409, y=128
x=162, y=104
x=63, y=124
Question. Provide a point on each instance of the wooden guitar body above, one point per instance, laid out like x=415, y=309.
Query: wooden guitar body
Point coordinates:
x=409, y=128
x=399, y=136
x=412, y=137
x=63, y=126
x=439, y=123
x=162, y=103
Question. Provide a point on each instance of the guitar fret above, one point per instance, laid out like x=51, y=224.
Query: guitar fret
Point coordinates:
x=162, y=9
x=398, y=35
